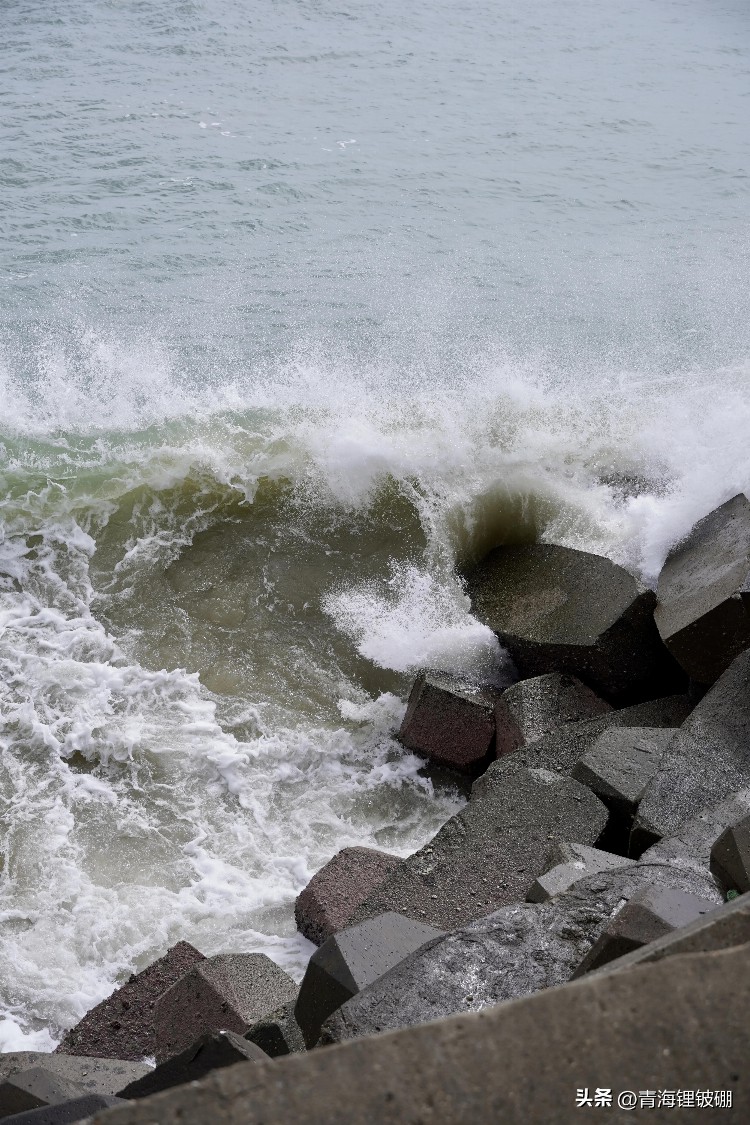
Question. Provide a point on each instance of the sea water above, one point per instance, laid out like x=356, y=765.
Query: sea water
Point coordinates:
x=306, y=305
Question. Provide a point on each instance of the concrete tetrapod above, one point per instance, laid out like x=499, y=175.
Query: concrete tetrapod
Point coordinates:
x=703, y=608
x=559, y=610
x=679, y=1024
x=352, y=959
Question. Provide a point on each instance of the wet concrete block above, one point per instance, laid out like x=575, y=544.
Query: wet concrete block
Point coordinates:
x=450, y=722
x=330, y=898
x=569, y=863
x=121, y=1027
x=32, y=1088
x=707, y=760
x=562, y=749
x=211, y=1052
x=648, y=915
x=228, y=992
x=278, y=1033
x=678, y=1024
x=65, y=1113
x=352, y=959
x=621, y=763
x=92, y=1076
x=703, y=596
x=559, y=610
x=490, y=852
x=532, y=708
x=730, y=857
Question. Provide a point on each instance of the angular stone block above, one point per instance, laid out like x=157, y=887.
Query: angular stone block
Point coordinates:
x=228, y=992
x=65, y=1113
x=211, y=1052
x=730, y=857
x=352, y=959
x=621, y=763
x=451, y=722
x=92, y=1076
x=561, y=749
x=330, y=898
x=682, y=1023
x=649, y=914
x=490, y=852
x=568, y=864
x=559, y=610
x=703, y=607
x=278, y=1033
x=707, y=760
x=121, y=1027
x=32, y=1088
x=532, y=708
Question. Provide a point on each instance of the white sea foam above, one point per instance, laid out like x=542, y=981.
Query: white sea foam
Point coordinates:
x=140, y=808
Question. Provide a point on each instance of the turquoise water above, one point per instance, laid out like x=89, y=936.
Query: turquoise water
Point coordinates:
x=304, y=307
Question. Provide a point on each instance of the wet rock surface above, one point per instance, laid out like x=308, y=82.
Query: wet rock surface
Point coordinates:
x=532, y=708
x=350, y=961
x=329, y=900
x=122, y=1026
x=491, y=851
x=703, y=608
x=228, y=992
x=565, y=611
x=451, y=722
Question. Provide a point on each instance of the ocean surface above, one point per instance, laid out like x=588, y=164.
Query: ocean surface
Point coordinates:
x=304, y=306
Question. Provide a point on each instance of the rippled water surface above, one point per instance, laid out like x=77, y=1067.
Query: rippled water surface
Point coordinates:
x=303, y=307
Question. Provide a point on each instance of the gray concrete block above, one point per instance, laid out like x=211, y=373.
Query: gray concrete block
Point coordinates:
x=532, y=708
x=703, y=608
x=569, y=864
x=621, y=763
x=330, y=898
x=351, y=960
x=93, y=1076
x=707, y=760
x=65, y=1113
x=730, y=857
x=559, y=610
x=649, y=914
x=490, y=852
x=228, y=992
x=450, y=721
x=563, y=748
x=679, y=1024
x=32, y=1088
x=278, y=1033
x=211, y=1052
x=121, y=1027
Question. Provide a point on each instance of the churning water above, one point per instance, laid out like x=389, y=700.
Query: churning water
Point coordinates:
x=304, y=306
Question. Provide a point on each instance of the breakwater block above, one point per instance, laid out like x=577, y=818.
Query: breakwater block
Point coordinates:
x=211, y=1052
x=707, y=759
x=569, y=863
x=32, y=1088
x=650, y=914
x=330, y=898
x=490, y=852
x=351, y=960
x=121, y=1027
x=228, y=992
x=730, y=857
x=278, y=1033
x=450, y=722
x=93, y=1076
x=532, y=708
x=65, y=1113
x=559, y=610
x=703, y=597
